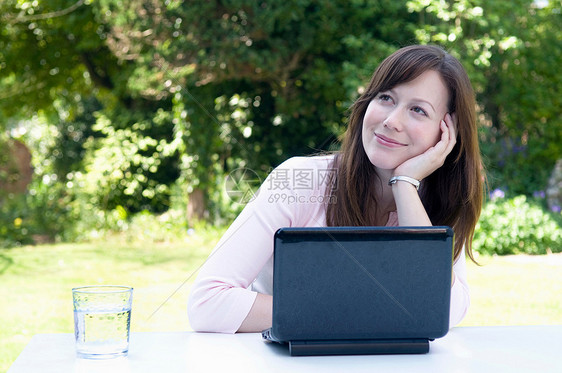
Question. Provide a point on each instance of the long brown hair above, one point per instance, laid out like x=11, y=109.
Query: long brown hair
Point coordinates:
x=453, y=194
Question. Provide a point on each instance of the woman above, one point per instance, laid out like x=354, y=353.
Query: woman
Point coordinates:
x=410, y=157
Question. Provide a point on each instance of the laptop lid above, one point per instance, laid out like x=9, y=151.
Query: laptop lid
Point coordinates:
x=353, y=283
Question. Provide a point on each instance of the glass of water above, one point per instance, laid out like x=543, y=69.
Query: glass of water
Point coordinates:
x=102, y=320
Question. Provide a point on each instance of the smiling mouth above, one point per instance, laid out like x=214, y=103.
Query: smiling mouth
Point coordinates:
x=388, y=141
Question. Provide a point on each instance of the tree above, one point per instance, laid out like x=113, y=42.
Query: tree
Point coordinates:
x=217, y=84
x=512, y=51
x=146, y=93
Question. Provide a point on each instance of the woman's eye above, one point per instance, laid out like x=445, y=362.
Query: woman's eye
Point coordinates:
x=384, y=97
x=419, y=110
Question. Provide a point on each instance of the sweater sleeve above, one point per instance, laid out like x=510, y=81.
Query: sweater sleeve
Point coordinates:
x=460, y=296
x=220, y=297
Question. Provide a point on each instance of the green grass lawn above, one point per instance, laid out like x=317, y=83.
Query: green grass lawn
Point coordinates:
x=35, y=284
x=515, y=290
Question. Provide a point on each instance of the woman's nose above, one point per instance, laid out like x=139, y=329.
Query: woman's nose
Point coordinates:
x=394, y=120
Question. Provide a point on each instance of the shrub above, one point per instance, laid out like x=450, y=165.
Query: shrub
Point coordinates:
x=126, y=168
x=14, y=221
x=515, y=226
x=40, y=215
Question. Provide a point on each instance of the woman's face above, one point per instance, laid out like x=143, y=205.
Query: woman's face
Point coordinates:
x=404, y=121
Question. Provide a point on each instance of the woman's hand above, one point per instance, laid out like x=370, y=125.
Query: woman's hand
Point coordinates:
x=409, y=207
x=425, y=164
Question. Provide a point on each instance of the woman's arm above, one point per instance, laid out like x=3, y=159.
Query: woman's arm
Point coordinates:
x=260, y=316
x=221, y=299
x=409, y=207
x=411, y=211
x=460, y=296
x=408, y=203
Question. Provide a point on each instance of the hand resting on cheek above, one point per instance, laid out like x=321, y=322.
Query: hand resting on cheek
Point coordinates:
x=423, y=165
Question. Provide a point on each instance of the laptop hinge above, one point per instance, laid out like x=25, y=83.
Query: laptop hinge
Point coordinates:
x=359, y=347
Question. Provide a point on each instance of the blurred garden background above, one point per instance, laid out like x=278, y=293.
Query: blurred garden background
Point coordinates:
x=124, y=124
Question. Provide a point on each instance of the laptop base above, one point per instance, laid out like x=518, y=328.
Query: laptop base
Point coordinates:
x=359, y=347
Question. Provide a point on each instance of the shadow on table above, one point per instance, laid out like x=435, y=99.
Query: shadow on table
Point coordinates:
x=281, y=349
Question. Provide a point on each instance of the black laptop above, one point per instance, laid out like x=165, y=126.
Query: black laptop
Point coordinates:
x=361, y=290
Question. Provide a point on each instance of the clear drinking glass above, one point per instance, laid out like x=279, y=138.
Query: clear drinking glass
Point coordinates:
x=102, y=320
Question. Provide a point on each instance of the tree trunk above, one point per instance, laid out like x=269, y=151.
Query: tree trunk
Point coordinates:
x=16, y=172
x=196, y=206
x=554, y=189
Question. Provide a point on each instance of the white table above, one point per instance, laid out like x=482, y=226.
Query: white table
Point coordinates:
x=467, y=349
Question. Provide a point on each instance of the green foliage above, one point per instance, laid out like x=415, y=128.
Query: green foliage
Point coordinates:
x=125, y=168
x=42, y=213
x=14, y=225
x=517, y=167
x=511, y=50
x=7, y=166
x=40, y=216
x=517, y=225
x=74, y=126
x=135, y=100
x=42, y=59
x=521, y=98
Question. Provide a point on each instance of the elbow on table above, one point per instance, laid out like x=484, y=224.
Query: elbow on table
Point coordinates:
x=209, y=310
x=460, y=303
x=202, y=318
